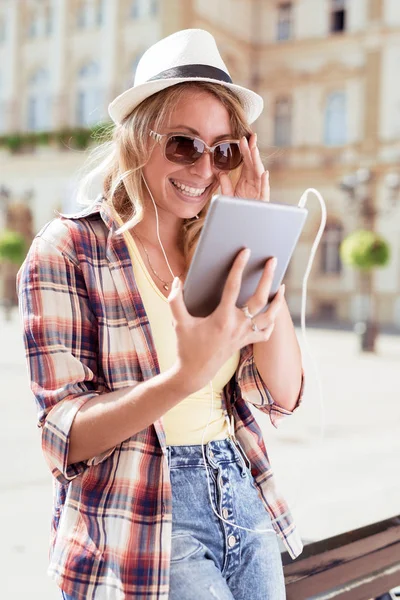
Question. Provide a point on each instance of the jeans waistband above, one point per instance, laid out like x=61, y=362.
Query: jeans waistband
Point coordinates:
x=216, y=452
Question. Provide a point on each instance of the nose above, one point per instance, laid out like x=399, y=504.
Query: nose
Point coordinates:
x=203, y=167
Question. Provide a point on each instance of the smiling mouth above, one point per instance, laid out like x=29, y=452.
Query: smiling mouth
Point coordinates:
x=189, y=191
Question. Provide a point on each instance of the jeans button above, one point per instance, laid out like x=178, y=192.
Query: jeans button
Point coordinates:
x=225, y=513
x=211, y=454
x=231, y=541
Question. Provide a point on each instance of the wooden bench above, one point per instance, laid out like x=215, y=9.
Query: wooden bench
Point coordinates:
x=358, y=565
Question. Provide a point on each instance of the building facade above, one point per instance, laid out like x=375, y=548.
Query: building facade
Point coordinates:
x=328, y=72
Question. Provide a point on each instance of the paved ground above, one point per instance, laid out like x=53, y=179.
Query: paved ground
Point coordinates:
x=347, y=480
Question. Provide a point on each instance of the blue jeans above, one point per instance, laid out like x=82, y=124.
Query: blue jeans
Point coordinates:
x=211, y=559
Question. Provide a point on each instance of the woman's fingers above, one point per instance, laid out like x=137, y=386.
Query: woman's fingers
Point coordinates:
x=234, y=281
x=253, y=172
x=265, y=322
x=263, y=289
x=226, y=185
x=176, y=302
x=255, y=157
x=248, y=168
x=265, y=189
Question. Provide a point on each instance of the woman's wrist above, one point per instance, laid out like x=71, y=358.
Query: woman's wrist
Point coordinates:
x=181, y=382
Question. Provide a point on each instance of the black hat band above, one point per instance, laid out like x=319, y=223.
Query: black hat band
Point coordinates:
x=188, y=71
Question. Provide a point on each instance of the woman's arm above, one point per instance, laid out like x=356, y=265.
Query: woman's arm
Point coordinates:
x=108, y=419
x=278, y=361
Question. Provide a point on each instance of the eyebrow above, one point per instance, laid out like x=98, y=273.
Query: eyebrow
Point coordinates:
x=225, y=136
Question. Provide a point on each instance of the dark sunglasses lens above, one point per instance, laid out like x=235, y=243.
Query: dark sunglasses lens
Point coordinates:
x=183, y=150
x=227, y=156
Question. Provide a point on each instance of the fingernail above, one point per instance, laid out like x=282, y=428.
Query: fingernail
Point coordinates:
x=175, y=283
x=247, y=253
x=274, y=262
x=283, y=286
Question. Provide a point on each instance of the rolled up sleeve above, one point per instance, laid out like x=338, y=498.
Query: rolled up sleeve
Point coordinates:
x=254, y=390
x=61, y=344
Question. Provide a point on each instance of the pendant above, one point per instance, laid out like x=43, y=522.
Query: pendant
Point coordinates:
x=165, y=286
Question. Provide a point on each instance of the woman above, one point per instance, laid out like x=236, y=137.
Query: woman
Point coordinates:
x=124, y=377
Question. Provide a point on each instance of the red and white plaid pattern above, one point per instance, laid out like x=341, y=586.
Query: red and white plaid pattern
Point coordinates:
x=86, y=333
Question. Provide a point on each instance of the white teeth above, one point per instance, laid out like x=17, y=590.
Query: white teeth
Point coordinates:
x=189, y=191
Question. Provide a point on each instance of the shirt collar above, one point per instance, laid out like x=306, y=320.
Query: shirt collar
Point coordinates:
x=100, y=206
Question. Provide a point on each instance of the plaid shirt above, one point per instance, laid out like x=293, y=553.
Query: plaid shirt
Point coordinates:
x=86, y=333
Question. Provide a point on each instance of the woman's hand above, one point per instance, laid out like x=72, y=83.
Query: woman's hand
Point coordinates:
x=205, y=344
x=253, y=183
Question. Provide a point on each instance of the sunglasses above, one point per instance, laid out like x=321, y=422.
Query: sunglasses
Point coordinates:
x=182, y=149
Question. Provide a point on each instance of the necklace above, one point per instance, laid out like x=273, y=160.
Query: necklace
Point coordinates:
x=166, y=284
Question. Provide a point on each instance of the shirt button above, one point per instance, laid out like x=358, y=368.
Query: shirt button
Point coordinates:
x=225, y=513
x=231, y=541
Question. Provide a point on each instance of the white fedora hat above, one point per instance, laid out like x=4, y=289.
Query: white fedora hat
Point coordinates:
x=188, y=55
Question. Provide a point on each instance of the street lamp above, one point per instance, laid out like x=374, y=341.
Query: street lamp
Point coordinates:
x=359, y=188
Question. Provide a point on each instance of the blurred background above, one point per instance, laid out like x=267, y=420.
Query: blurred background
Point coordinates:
x=328, y=71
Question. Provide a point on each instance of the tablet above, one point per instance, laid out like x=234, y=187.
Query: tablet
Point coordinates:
x=267, y=228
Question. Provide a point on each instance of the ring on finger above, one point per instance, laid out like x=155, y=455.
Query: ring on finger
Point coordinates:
x=246, y=311
x=254, y=325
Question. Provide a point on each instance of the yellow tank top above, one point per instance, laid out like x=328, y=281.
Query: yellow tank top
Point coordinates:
x=184, y=424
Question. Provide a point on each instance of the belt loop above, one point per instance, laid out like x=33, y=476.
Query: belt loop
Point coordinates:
x=168, y=455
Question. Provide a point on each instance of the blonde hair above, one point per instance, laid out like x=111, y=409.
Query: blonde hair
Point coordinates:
x=121, y=160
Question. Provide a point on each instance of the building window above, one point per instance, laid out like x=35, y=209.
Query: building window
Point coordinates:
x=3, y=30
x=2, y=107
x=134, y=66
x=89, y=96
x=34, y=25
x=335, y=119
x=154, y=7
x=284, y=25
x=338, y=15
x=143, y=8
x=49, y=21
x=90, y=13
x=38, y=102
x=327, y=311
x=330, y=245
x=135, y=9
x=283, y=122
x=100, y=13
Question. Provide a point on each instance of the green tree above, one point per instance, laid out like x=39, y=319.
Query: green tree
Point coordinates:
x=12, y=255
x=12, y=247
x=365, y=251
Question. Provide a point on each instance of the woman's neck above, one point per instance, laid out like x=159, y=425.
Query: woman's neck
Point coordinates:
x=170, y=232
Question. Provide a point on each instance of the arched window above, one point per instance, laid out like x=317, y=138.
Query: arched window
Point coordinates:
x=89, y=96
x=39, y=101
x=330, y=245
x=283, y=122
x=335, y=119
